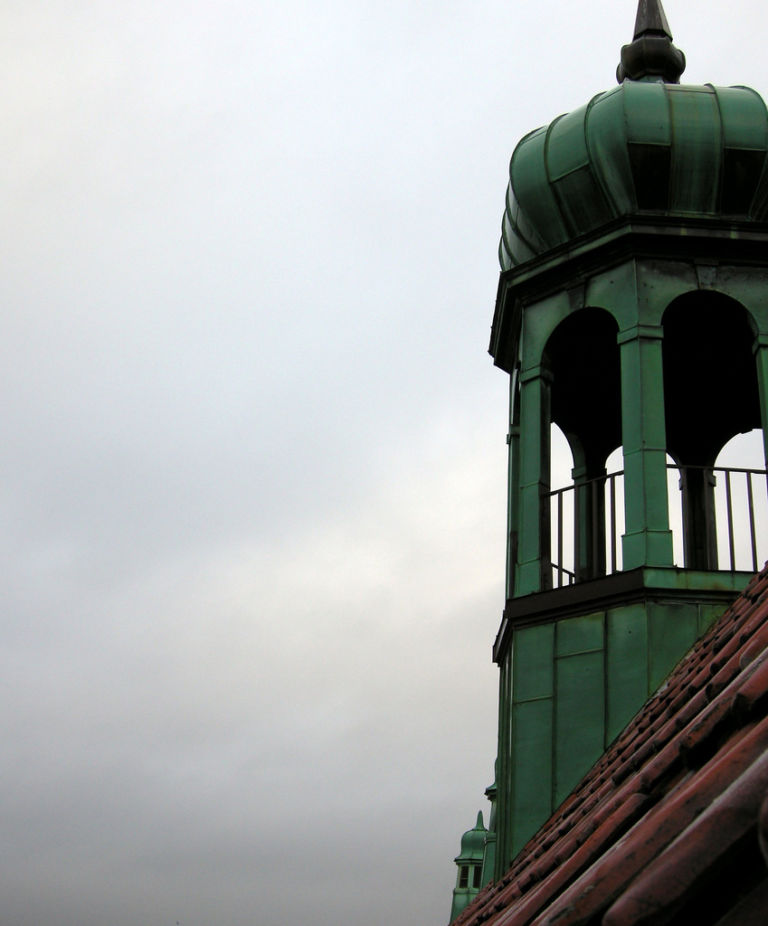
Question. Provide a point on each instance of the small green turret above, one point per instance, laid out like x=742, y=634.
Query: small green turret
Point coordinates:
x=470, y=863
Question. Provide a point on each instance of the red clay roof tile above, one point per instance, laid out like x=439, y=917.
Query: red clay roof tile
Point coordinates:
x=664, y=884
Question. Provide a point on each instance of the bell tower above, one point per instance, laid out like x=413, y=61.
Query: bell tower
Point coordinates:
x=632, y=312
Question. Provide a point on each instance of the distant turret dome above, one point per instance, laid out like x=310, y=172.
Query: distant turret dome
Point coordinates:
x=473, y=842
x=649, y=147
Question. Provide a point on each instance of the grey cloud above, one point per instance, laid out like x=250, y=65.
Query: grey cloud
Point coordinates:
x=252, y=494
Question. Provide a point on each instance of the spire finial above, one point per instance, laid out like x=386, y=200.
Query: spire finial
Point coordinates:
x=651, y=56
x=650, y=18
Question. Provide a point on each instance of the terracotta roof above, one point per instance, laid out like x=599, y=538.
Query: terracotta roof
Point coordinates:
x=668, y=825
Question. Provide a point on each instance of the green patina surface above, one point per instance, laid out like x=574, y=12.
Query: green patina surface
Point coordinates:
x=643, y=147
x=636, y=294
x=577, y=682
x=532, y=726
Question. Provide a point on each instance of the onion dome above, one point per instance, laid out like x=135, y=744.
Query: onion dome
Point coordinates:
x=649, y=147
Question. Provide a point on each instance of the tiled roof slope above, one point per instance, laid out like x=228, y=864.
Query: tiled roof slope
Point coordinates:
x=668, y=825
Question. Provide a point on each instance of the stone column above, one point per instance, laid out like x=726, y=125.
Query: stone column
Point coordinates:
x=513, y=483
x=534, y=570
x=647, y=540
x=589, y=522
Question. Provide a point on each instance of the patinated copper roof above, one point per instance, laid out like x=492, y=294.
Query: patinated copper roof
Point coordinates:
x=668, y=825
x=643, y=149
x=648, y=149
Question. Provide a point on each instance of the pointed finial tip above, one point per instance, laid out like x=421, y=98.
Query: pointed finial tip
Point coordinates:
x=651, y=55
x=651, y=19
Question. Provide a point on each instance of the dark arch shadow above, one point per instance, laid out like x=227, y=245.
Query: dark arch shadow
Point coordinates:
x=582, y=358
x=710, y=395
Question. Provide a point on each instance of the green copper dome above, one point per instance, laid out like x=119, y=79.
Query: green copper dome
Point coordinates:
x=473, y=842
x=645, y=148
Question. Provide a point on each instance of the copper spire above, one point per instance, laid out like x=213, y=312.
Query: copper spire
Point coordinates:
x=650, y=18
x=651, y=56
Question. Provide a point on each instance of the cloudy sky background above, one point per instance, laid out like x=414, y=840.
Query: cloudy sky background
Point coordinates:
x=253, y=458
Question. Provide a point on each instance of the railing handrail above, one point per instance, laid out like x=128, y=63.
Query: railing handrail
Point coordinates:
x=721, y=469
x=586, y=482
x=620, y=472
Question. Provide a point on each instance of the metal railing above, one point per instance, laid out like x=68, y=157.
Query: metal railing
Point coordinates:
x=740, y=514
x=587, y=521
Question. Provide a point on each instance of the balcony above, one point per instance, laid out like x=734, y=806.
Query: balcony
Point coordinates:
x=718, y=517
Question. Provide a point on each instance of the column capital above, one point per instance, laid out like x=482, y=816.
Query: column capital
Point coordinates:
x=538, y=372
x=636, y=332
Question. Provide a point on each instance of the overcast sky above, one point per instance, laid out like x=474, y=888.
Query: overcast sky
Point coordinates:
x=253, y=457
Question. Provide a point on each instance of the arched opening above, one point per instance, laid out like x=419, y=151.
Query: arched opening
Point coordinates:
x=582, y=360
x=710, y=395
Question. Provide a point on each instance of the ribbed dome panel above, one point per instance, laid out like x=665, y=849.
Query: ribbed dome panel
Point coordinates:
x=643, y=148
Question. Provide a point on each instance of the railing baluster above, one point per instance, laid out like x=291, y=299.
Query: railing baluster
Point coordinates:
x=751, y=506
x=593, y=554
x=612, y=481
x=560, y=539
x=729, y=515
x=576, y=531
